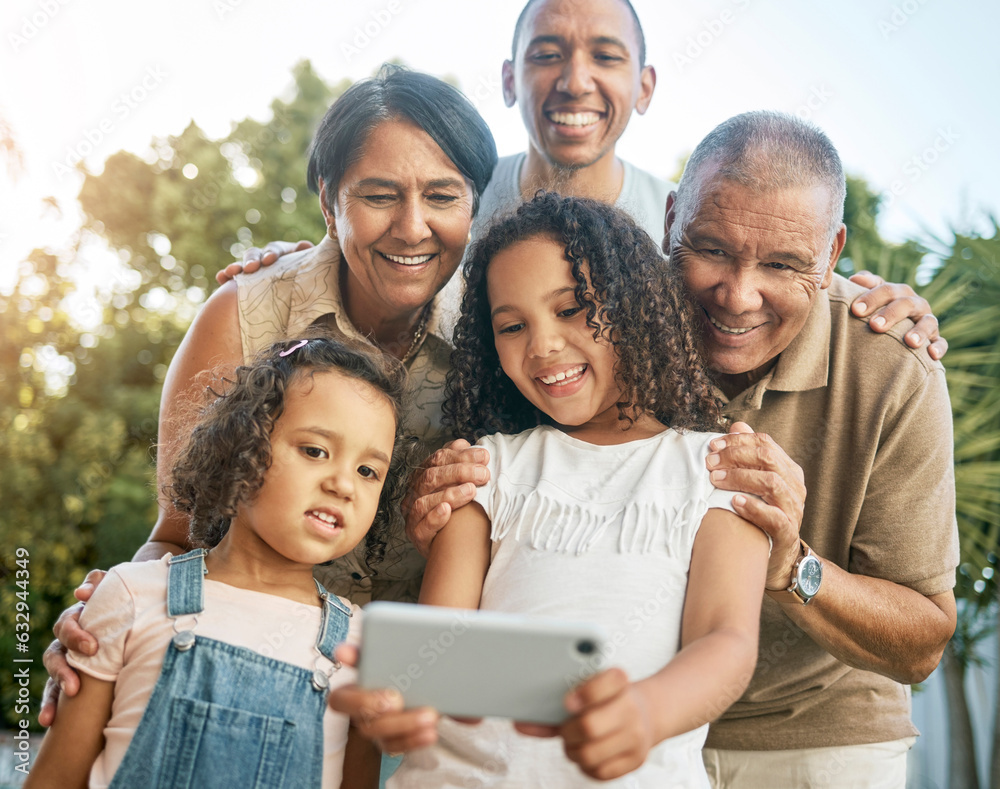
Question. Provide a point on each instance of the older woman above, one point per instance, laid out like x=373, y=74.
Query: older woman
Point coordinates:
x=399, y=162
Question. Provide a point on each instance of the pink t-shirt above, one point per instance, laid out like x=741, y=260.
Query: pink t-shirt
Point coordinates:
x=128, y=615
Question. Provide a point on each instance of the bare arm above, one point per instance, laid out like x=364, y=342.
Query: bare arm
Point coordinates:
x=876, y=625
x=444, y=482
x=212, y=344
x=362, y=762
x=866, y=622
x=615, y=723
x=459, y=559
x=456, y=569
x=719, y=629
x=75, y=739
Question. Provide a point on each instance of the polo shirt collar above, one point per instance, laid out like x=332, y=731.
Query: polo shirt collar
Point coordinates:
x=803, y=365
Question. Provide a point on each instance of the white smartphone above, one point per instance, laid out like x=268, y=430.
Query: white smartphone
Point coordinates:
x=478, y=663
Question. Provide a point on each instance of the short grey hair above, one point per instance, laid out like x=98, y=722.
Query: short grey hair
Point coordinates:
x=764, y=150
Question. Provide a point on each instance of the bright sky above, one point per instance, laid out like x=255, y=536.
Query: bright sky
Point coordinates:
x=905, y=88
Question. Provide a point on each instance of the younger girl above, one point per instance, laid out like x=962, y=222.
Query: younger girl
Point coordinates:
x=577, y=349
x=287, y=469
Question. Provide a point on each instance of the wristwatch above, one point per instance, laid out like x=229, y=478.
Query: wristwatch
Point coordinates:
x=807, y=574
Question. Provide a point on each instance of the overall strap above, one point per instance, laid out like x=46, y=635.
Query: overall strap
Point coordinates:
x=336, y=622
x=185, y=587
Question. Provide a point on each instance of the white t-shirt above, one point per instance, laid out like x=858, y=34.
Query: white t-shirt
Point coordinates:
x=643, y=197
x=583, y=532
x=128, y=615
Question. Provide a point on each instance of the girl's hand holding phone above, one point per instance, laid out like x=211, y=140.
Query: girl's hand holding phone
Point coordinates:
x=610, y=731
x=378, y=715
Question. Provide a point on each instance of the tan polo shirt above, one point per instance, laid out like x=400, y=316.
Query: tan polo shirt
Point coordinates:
x=286, y=299
x=869, y=421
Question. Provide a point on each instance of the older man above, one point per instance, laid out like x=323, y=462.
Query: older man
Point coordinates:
x=859, y=585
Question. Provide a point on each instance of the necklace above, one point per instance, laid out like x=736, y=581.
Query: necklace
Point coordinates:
x=418, y=334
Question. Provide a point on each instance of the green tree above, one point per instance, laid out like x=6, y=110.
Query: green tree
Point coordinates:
x=78, y=407
x=961, y=281
x=203, y=202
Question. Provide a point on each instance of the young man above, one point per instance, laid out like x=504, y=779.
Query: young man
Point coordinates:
x=577, y=72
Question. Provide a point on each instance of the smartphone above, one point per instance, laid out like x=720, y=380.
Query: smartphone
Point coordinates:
x=478, y=663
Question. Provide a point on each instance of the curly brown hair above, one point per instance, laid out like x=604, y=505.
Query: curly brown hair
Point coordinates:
x=633, y=299
x=226, y=456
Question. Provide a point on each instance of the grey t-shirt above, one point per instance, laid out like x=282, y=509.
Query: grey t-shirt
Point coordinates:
x=643, y=197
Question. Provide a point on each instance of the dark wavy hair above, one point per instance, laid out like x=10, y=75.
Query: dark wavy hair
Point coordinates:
x=634, y=300
x=448, y=117
x=226, y=456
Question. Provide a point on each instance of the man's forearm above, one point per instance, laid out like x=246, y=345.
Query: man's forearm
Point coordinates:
x=876, y=625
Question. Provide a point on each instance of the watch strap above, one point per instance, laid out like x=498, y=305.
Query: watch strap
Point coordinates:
x=792, y=593
x=786, y=596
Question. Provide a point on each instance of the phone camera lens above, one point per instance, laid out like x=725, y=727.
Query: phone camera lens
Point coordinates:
x=585, y=647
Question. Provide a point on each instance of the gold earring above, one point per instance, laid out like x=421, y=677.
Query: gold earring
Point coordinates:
x=469, y=239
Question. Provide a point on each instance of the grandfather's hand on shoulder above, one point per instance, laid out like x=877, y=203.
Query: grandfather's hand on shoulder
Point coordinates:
x=753, y=463
x=446, y=481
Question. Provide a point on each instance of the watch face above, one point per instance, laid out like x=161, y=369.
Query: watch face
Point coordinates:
x=809, y=576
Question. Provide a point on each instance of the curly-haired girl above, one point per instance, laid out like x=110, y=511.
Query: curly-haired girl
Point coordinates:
x=214, y=666
x=577, y=349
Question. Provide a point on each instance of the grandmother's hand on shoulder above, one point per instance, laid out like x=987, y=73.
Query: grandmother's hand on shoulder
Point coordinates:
x=444, y=482
x=254, y=258
x=753, y=463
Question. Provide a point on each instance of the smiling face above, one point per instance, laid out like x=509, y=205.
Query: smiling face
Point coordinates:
x=330, y=453
x=754, y=262
x=542, y=338
x=402, y=215
x=576, y=77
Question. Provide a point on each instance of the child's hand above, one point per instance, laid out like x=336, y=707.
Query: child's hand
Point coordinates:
x=610, y=732
x=378, y=715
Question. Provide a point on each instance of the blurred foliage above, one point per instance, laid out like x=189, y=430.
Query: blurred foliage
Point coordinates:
x=200, y=202
x=78, y=406
x=960, y=278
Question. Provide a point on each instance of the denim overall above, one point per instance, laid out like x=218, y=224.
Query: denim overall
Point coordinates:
x=224, y=716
